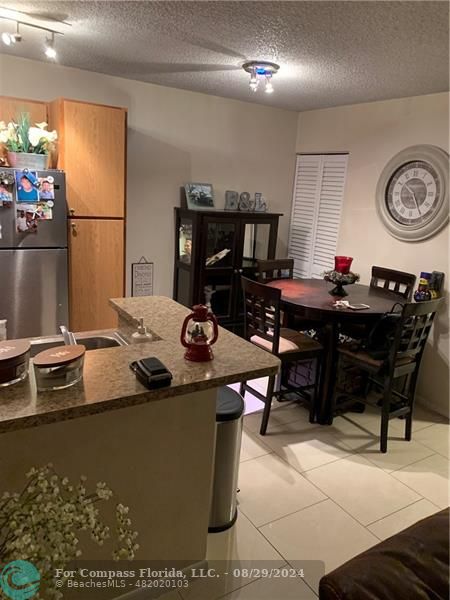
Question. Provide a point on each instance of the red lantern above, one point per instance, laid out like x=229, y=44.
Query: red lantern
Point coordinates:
x=342, y=264
x=199, y=333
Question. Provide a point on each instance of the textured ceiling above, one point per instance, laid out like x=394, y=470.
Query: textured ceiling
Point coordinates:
x=331, y=53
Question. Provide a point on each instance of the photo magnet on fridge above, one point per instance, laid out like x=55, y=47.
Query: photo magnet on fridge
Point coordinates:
x=26, y=219
x=44, y=211
x=6, y=196
x=46, y=188
x=27, y=186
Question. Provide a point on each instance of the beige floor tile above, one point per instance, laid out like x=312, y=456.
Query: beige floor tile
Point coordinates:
x=357, y=429
x=270, y=489
x=305, y=446
x=359, y=436
x=361, y=488
x=170, y=596
x=370, y=421
x=243, y=541
x=429, y=477
x=281, y=413
x=321, y=532
x=241, y=547
x=436, y=437
x=278, y=588
x=402, y=519
x=422, y=418
x=252, y=446
x=400, y=454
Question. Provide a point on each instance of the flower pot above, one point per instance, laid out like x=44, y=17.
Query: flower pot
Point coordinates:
x=28, y=160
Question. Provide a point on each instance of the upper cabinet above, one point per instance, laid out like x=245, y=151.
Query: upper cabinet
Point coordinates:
x=92, y=152
x=10, y=109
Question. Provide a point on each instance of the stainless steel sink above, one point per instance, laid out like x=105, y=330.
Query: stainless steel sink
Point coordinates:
x=94, y=341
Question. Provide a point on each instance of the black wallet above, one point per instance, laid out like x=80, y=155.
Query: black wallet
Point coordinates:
x=151, y=372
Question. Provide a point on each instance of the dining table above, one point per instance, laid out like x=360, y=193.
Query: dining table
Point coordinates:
x=310, y=299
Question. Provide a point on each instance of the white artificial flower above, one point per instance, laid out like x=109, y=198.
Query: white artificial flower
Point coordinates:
x=52, y=136
x=35, y=135
x=42, y=125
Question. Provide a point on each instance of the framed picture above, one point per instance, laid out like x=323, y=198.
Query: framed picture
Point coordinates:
x=260, y=203
x=231, y=200
x=199, y=196
x=142, y=278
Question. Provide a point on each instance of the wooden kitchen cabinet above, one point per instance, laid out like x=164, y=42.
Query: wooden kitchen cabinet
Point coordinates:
x=96, y=267
x=10, y=109
x=92, y=152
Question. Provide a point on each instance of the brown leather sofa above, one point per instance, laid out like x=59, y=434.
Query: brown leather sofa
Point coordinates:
x=411, y=565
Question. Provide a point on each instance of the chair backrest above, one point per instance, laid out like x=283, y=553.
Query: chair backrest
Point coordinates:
x=413, y=329
x=280, y=268
x=399, y=282
x=261, y=312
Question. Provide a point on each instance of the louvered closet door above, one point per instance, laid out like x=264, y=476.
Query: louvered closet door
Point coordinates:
x=316, y=212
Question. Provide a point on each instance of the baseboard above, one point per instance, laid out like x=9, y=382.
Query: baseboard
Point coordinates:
x=432, y=406
x=154, y=593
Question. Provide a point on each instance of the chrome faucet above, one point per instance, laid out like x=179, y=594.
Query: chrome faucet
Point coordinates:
x=68, y=336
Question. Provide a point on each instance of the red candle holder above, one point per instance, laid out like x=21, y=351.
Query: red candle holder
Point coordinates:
x=342, y=264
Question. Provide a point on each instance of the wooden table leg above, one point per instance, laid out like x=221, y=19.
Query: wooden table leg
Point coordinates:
x=329, y=339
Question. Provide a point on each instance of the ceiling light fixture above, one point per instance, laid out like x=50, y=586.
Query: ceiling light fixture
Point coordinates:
x=50, y=51
x=11, y=38
x=261, y=70
x=25, y=20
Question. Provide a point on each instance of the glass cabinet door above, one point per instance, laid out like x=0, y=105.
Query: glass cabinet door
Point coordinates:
x=218, y=293
x=256, y=241
x=220, y=244
x=185, y=241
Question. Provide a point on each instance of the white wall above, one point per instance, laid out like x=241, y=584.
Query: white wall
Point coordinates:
x=372, y=133
x=174, y=137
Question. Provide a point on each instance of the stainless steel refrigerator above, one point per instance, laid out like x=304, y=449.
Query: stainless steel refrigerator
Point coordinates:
x=33, y=262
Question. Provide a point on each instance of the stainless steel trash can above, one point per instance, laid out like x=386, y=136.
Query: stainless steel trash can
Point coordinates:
x=229, y=420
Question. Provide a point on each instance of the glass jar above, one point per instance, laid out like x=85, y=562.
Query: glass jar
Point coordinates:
x=14, y=361
x=60, y=367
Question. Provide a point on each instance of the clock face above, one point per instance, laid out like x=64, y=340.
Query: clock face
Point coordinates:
x=413, y=193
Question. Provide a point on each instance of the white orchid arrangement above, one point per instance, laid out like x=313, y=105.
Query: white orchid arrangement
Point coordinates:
x=42, y=524
x=22, y=137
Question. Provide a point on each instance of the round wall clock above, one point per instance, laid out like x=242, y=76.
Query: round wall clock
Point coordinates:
x=412, y=196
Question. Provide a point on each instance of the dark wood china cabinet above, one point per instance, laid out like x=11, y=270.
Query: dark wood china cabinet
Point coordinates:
x=213, y=248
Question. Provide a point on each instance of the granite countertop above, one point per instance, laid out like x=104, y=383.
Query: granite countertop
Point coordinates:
x=108, y=383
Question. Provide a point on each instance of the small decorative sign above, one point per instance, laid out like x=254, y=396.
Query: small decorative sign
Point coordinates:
x=142, y=278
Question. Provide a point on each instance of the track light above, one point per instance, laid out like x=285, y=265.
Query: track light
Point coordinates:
x=11, y=38
x=6, y=38
x=50, y=51
x=29, y=21
x=260, y=70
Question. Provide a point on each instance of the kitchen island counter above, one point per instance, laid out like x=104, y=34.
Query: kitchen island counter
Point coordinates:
x=108, y=382
x=156, y=452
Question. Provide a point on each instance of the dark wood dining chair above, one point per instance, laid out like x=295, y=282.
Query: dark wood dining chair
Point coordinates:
x=271, y=270
x=399, y=282
x=279, y=269
x=263, y=328
x=402, y=361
